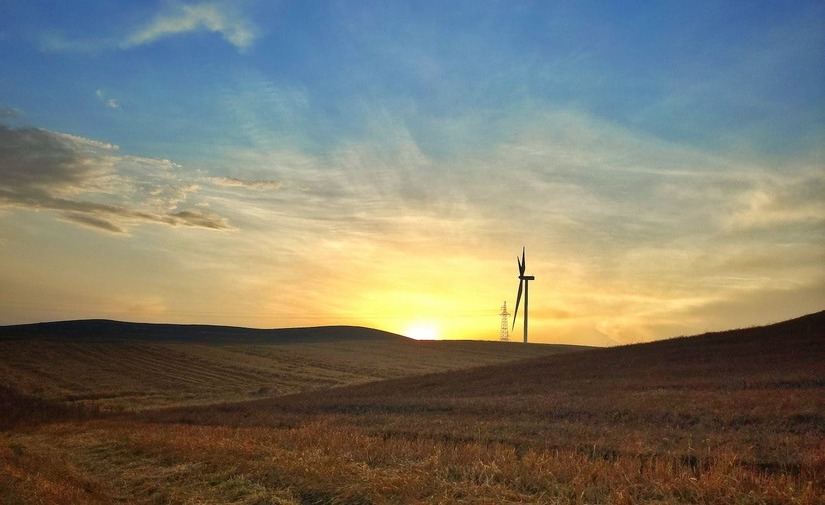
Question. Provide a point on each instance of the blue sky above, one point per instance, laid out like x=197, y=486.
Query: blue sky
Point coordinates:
x=380, y=163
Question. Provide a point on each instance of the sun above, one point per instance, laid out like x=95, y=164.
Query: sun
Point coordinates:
x=422, y=331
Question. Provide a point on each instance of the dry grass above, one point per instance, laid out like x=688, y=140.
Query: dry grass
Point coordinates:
x=734, y=418
x=324, y=461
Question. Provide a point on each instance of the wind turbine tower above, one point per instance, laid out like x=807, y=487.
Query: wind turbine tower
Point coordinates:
x=505, y=330
x=524, y=281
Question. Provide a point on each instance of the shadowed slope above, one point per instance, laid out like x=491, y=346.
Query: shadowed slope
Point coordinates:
x=788, y=354
x=738, y=388
x=18, y=409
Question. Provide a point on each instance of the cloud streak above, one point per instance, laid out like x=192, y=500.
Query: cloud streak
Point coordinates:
x=92, y=185
x=233, y=182
x=175, y=20
x=183, y=19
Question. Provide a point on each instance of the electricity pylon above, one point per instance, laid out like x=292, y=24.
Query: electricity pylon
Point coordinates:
x=505, y=328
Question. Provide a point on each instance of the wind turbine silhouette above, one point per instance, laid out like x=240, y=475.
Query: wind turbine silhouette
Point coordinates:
x=524, y=281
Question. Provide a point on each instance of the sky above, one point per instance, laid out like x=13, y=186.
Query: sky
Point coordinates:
x=304, y=163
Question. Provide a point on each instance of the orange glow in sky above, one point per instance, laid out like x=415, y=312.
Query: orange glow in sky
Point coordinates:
x=389, y=173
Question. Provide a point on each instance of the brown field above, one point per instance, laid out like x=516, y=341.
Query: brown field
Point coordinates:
x=127, y=366
x=735, y=417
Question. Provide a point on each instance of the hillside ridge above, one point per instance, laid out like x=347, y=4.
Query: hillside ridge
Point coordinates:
x=793, y=351
x=739, y=357
x=112, y=330
x=131, y=366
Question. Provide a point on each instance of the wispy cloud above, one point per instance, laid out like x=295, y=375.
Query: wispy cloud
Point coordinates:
x=258, y=185
x=91, y=184
x=636, y=233
x=105, y=100
x=182, y=19
x=781, y=200
x=175, y=19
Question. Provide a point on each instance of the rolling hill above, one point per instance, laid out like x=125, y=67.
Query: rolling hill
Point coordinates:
x=785, y=357
x=104, y=330
x=129, y=366
x=730, y=418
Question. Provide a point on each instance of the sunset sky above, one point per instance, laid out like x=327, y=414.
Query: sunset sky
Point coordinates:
x=293, y=163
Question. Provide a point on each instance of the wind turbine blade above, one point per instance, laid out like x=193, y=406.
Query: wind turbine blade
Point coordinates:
x=520, y=266
x=518, y=299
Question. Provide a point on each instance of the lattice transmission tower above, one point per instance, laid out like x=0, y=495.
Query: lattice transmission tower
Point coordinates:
x=505, y=328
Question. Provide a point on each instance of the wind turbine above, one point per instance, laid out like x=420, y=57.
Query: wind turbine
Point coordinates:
x=524, y=281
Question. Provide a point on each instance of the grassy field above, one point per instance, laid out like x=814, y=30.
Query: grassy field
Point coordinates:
x=735, y=417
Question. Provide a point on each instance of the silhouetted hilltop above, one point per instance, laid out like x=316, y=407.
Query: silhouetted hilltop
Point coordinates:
x=97, y=330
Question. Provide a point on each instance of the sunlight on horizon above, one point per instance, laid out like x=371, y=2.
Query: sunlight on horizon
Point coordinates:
x=398, y=188
x=423, y=331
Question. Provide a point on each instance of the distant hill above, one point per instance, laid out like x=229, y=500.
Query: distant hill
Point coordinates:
x=726, y=417
x=787, y=355
x=701, y=418
x=104, y=330
x=131, y=366
x=792, y=351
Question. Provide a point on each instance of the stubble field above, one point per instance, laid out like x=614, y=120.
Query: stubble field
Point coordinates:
x=737, y=417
